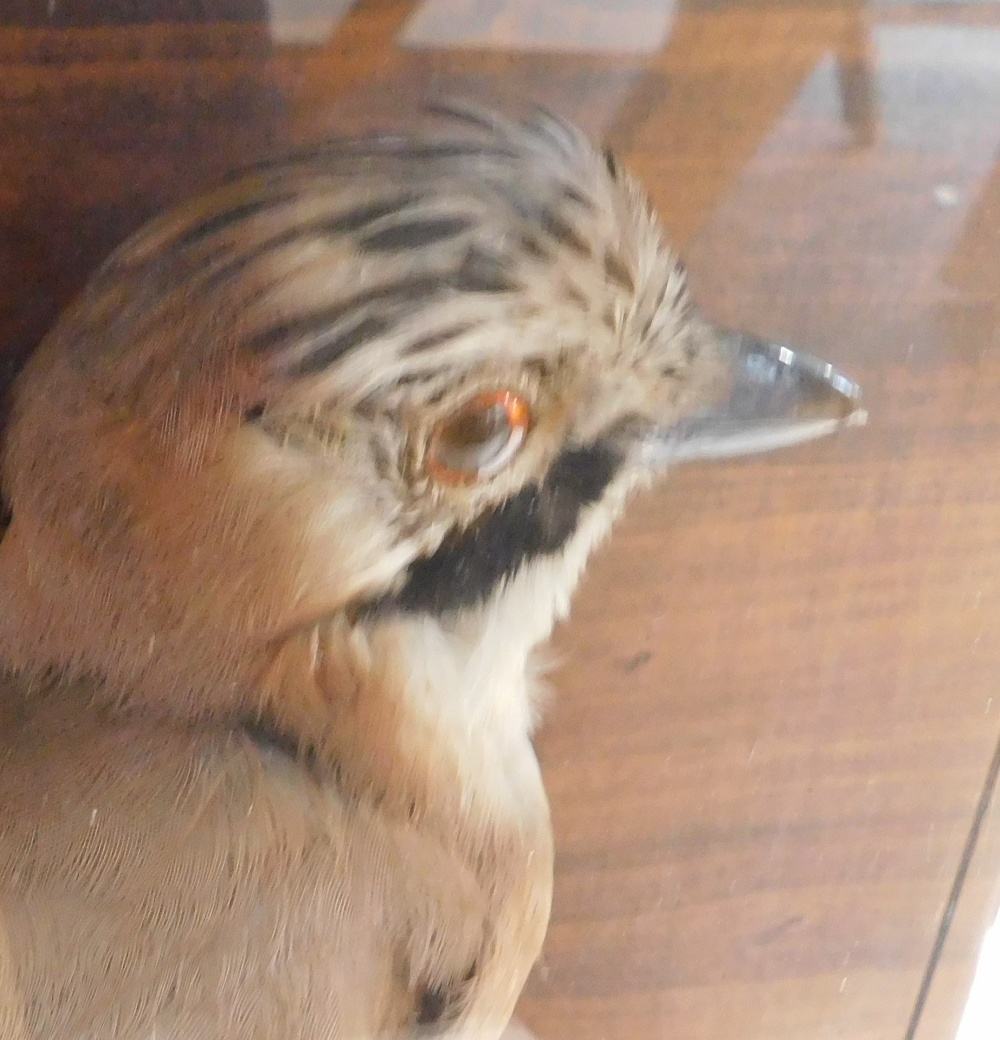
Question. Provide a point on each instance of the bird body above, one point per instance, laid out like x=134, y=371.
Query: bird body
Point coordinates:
x=195, y=884
x=298, y=487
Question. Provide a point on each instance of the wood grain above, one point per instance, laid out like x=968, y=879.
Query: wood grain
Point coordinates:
x=770, y=756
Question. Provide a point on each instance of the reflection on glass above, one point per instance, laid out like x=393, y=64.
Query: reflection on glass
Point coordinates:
x=628, y=27
x=305, y=21
x=981, y=1019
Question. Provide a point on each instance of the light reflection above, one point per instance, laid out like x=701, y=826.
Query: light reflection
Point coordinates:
x=595, y=27
x=981, y=1018
x=924, y=80
x=305, y=22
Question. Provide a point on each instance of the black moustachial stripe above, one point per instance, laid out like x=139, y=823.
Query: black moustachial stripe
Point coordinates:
x=537, y=521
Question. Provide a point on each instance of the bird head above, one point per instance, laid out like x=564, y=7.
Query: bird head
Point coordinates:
x=365, y=411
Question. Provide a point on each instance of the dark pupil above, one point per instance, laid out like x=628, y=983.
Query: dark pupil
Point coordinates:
x=470, y=439
x=478, y=426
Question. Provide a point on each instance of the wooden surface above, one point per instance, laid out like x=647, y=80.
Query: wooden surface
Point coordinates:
x=772, y=754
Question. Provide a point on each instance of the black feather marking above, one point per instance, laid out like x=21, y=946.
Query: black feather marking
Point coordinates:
x=576, y=296
x=203, y=229
x=483, y=272
x=531, y=246
x=611, y=163
x=271, y=740
x=333, y=348
x=463, y=112
x=479, y=272
x=268, y=738
x=537, y=521
x=395, y=297
x=346, y=223
x=422, y=151
x=414, y=234
x=564, y=233
x=431, y=1005
x=435, y=339
x=577, y=196
x=353, y=220
x=617, y=272
x=350, y=222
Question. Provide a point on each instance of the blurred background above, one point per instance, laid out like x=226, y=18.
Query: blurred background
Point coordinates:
x=773, y=751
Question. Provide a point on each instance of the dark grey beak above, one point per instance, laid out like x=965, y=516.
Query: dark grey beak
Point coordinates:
x=777, y=397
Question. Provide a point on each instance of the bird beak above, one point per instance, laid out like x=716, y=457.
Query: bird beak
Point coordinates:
x=776, y=397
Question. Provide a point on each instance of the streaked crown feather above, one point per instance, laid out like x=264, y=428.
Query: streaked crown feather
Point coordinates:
x=362, y=263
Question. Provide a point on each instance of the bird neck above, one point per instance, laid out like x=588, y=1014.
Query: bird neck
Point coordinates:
x=433, y=714
x=410, y=716
x=404, y=719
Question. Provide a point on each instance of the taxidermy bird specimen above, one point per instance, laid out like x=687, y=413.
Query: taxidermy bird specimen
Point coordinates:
x=296, y=488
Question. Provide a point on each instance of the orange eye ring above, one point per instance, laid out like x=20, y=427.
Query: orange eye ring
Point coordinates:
x=479, y=438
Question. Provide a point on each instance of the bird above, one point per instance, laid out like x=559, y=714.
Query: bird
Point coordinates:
x=295, y=493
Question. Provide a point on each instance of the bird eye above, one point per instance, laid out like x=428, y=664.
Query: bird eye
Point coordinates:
x=478, y=439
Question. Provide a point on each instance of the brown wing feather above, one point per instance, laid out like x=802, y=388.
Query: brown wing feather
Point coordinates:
x=162, y=882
